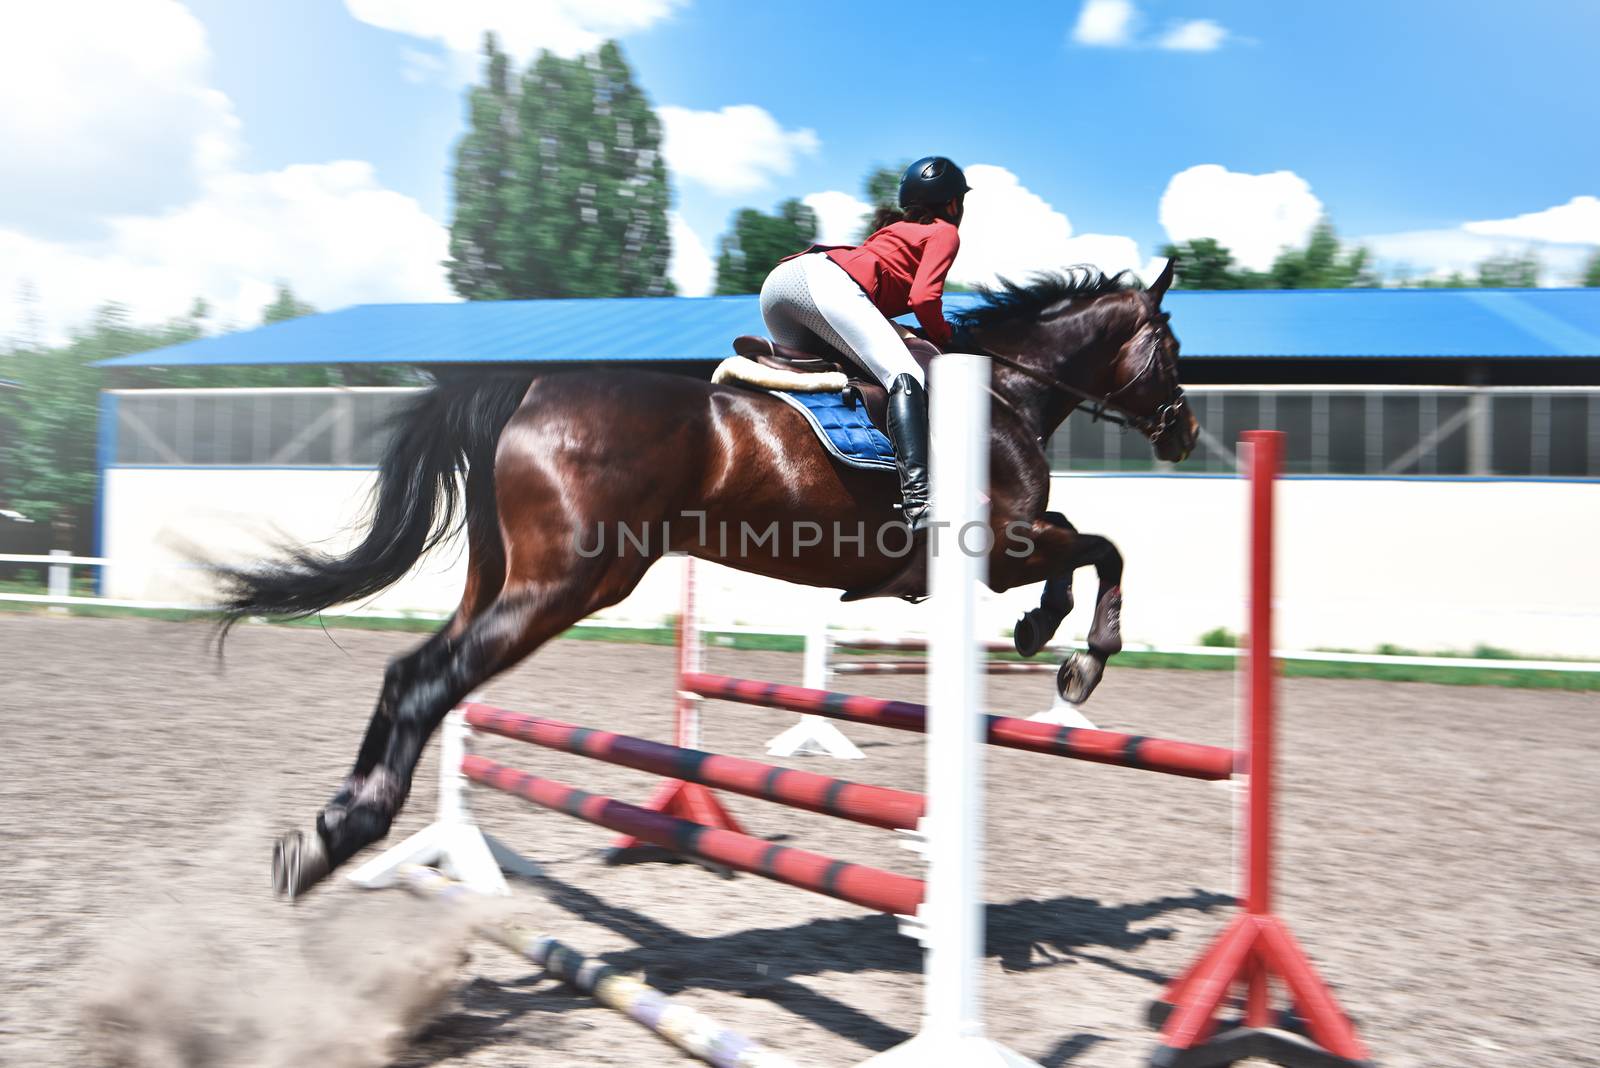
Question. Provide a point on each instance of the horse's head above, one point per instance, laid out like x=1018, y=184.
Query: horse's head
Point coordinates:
x=1084, y=339
x=1142, y=378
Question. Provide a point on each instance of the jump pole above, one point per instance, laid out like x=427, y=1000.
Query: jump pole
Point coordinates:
x=687, y=1028
x=952, y=1032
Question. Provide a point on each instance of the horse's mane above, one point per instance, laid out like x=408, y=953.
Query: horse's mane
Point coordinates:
x=1041, y=295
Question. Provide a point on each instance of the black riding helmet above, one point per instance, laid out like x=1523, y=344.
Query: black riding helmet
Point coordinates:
x=934, y=181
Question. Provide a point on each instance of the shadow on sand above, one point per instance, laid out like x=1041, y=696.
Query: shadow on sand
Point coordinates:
x=765, y=963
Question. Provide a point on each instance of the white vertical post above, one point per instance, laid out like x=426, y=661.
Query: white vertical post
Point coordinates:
x=60, y=578
x=453, y=734
x=956, y=697
x=819, y=647
x=815, y=735
x=952, y=1031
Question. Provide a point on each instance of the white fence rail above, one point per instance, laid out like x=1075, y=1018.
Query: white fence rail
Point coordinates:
x=62, y=563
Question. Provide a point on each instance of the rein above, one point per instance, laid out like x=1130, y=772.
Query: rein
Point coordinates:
x=1099, y=406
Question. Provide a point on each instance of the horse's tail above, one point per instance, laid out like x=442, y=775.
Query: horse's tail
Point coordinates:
x=447, y=431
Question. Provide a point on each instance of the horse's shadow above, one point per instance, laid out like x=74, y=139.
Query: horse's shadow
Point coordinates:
x=767, y=963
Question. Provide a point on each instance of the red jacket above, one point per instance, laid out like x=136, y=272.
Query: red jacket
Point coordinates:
x=902, y=268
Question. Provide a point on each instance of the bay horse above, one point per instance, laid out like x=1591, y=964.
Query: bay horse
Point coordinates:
x=550, y=462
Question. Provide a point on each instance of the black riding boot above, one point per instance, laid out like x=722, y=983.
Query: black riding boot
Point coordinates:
x=908, y=432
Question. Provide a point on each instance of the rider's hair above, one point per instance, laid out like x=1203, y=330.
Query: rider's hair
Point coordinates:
x=917, y=213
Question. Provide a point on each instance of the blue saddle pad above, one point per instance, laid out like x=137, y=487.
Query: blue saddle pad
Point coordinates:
x=844, y=431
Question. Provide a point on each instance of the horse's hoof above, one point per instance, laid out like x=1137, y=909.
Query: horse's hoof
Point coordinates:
x=1080, y=673
x=299, y=862
x=1026, y=637
x=1034, y=630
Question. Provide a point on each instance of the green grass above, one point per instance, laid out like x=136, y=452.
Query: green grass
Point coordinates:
x=790, y=643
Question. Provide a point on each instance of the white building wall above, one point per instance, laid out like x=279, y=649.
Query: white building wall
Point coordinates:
x=1429, y=565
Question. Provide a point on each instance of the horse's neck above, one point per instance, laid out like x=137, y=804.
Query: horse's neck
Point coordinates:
x=1040, y=408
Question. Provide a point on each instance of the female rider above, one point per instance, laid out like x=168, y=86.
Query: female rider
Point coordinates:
x=846, y=296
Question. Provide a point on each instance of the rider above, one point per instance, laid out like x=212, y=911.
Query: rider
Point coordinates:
x=846, y=296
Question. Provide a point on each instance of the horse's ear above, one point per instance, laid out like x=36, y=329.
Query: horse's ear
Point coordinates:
x=1163, y=282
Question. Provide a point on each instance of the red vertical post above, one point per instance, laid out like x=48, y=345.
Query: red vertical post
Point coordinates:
x=675, y=797
x=1266, y=449
x=1265, y=455
x=687, y=728
x=1256, y=948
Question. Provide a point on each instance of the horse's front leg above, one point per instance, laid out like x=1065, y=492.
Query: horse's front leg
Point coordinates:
x=1037, y=626
x=1057, y=550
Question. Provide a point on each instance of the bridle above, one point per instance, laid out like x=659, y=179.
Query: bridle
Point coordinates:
x=1105, y=406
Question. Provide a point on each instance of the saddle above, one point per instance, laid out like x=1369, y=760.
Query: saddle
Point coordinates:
x=834, y=371
x=765, y=364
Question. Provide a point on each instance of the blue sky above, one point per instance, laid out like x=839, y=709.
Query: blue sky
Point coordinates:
x=1436, y=132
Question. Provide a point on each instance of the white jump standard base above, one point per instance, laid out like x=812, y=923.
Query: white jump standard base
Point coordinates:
x=453, y=843
x=1063, y=713
x=814, y=735
x=940, y=1051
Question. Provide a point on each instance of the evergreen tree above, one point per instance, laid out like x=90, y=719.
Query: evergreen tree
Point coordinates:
x=483, y=163
x=561, y=188
x=758, y=241
x=634, y=202
x=1591, y=273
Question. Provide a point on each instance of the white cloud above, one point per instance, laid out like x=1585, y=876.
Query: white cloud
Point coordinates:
x=692, y=270
x=1010, y=231
x=1575, y=222
x=566, y=27
x=735, y=150
x=1116, y=24
x=330, y=230
x=1194, y=35
x=1254, y=216
x=119, y=182
x=108, y=110
x=840, y=216
x=1105, y=24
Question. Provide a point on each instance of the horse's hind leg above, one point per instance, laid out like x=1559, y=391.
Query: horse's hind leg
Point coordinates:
x=486, y=566
x=524, y=616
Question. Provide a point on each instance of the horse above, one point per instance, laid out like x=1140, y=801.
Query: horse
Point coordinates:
x=539, y=464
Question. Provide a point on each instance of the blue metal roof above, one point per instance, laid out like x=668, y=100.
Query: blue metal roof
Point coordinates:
x=1406, y=323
